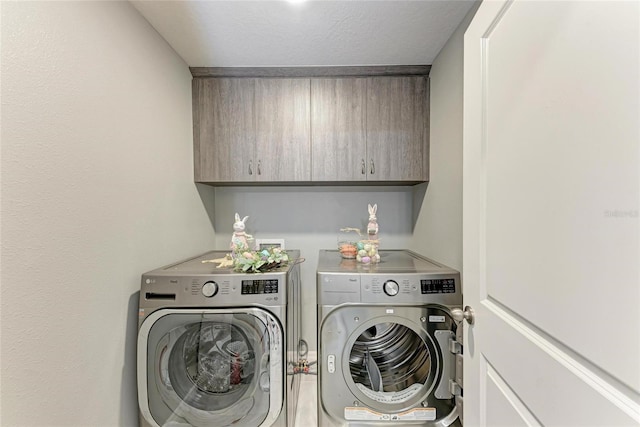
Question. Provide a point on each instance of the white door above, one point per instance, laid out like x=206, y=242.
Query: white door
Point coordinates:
x=551, y=234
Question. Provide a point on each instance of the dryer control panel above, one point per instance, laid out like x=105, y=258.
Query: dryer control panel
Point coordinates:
x=410, y=288
x=400, y=278
x=396, y=289
x=438, y=286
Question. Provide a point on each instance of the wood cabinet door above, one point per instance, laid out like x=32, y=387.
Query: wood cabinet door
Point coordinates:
x=283, y=147
x=224, y=129
x=338, y=133
x=397, y=134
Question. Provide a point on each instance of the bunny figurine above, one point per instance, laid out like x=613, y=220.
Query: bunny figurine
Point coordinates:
x=372, y=227
x=240, y=239
x=368, y=249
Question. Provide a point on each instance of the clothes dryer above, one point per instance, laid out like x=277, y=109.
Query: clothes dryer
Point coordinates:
x=217, y=347
x=387, y=343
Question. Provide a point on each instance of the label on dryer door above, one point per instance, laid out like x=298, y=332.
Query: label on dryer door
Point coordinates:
x=354, y=413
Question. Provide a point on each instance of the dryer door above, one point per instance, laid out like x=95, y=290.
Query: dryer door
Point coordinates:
x=387, y=363
x=210, y=367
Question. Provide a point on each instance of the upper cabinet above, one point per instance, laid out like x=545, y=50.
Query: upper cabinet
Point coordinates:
x=338, y=129
x=370, y=129
x=322, y=129
x=283, y=144
x=224, y=131
x=397, y=129
x=251, y=130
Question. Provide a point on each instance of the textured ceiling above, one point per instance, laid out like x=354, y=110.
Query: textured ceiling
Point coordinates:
x=312, y=33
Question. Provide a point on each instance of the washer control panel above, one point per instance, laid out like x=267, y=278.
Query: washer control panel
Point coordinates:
x=391, y=288
x=220, y=290
x=209, y=289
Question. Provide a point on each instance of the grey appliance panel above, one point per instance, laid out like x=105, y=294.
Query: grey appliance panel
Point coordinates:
x=339, y=331
x=177, y=390
x=180, y=286
x=351, y=297
x=409, y=289
x=391, y=261
x=338, y=280
x=187, y=291
x=195, y=265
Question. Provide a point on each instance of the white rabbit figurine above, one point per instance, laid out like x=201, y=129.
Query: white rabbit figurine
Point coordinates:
x=372, y=227
x=240, y=239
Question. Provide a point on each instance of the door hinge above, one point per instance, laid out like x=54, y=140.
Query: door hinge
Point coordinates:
x=456, y=385
x=455, y=388
x=454, y=346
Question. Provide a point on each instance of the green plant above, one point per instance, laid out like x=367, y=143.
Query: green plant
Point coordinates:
x=260, y=261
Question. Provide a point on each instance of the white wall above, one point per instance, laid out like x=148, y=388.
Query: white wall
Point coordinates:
x=97, y=188
x=309, y=219
x=438, y=205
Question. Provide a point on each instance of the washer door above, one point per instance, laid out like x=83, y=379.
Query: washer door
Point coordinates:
x=210, y=367
x=387, y=363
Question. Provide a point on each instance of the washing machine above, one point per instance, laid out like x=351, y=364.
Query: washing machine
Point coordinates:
x=389, y=352
x=217, y=347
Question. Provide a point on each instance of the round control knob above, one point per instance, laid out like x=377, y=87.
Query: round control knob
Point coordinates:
x=209, y=289
x=391, y=288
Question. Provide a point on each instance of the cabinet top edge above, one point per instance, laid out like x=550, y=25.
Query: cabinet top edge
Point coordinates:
x=347, y=71
x=310, y=183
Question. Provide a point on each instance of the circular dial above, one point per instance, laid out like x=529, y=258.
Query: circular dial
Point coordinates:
x=209, y=289
x=391, y=288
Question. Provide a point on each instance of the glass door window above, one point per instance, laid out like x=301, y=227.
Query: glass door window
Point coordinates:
x=390, y=363
x=211, y=368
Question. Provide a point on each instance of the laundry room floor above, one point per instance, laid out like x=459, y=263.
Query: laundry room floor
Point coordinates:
x=307, y=415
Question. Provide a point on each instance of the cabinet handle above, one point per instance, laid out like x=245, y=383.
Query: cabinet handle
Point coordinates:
x=250, y=169
x=364, y=167
x=373, y=167
x=259, y=170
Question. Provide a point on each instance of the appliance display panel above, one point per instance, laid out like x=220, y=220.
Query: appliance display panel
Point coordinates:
x=438, y=286
x=254, y=287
